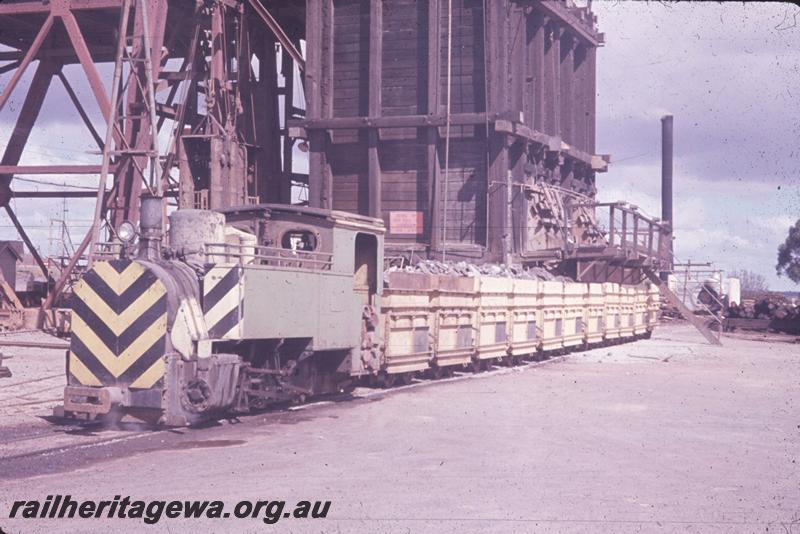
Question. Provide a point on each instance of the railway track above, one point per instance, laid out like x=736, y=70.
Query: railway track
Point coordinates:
x=71, y=448
x=70, y=443
x=12, y=397
x=31, y=381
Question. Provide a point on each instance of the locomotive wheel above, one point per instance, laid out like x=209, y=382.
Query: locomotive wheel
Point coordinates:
x=437, y=373
x=477, y=366
x=112, y=419
x=515, y=361
x=487, y=365
x=387, y=380
x=405, y=378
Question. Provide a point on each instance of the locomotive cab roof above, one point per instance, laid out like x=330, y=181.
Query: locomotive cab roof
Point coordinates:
x=308, y=215
x=328, y=237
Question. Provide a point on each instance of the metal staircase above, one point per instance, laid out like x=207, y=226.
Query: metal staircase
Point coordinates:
x=698, y=322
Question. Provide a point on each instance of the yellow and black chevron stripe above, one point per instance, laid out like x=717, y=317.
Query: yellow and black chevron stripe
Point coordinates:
x=223, y=302
x=119, y=326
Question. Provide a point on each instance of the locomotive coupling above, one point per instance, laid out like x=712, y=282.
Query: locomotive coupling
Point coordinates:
x=92, y=400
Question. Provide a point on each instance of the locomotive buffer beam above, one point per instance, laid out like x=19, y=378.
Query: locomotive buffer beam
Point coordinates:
x=91, y=400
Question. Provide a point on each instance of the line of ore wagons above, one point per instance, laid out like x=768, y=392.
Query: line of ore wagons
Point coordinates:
x=447, y=321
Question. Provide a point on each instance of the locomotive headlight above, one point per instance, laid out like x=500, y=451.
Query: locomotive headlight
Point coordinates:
x=126, y=232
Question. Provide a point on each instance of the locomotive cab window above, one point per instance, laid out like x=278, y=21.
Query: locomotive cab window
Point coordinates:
x=304, y=240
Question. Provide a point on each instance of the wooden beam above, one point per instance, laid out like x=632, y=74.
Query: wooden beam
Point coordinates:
x=553, y=143
x=624, y=233
x=374, y=95
x=327, y=68
x=517, y=129
x=552, y=101
x=313, y=79
x=313, y=73
x=287, y=69
x=496, y=56
x=579, y=114
x=535, y=64
x=557, y=10
x=566, y=95
x=326, y=95
x=536, y=32
x=398, y=121
x=591, y=94
x=434, y=78
x=264, y=94
x=518, y=159
x=497, y=185
x=518, y=79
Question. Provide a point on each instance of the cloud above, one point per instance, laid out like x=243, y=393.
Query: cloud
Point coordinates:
x=774, y=223
x=57, y=107
x=727, y=72
x=723, y=69
x=733, y=223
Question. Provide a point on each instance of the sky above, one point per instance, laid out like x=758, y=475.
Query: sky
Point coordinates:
x=58, y=137
x=727, y=72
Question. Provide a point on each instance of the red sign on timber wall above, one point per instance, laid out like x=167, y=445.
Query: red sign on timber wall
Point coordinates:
x=406, y=222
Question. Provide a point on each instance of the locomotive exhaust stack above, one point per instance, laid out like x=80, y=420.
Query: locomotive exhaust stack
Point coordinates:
x=151, y=227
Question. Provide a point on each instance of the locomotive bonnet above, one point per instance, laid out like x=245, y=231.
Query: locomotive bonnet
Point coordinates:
x=138, y=333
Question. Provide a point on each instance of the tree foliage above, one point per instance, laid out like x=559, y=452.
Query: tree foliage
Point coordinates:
x=789, y=255
x=751, y=282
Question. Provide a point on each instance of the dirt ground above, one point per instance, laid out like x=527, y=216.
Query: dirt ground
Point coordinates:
x=664, y=435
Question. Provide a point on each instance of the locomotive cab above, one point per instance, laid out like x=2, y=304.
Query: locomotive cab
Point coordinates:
x=306, y=282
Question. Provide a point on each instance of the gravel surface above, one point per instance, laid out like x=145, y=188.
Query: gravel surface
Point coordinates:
x=665, y=435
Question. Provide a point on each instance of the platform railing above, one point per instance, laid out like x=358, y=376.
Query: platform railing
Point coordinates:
x=629, y=229
x=107, y=250
x=275, y=256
